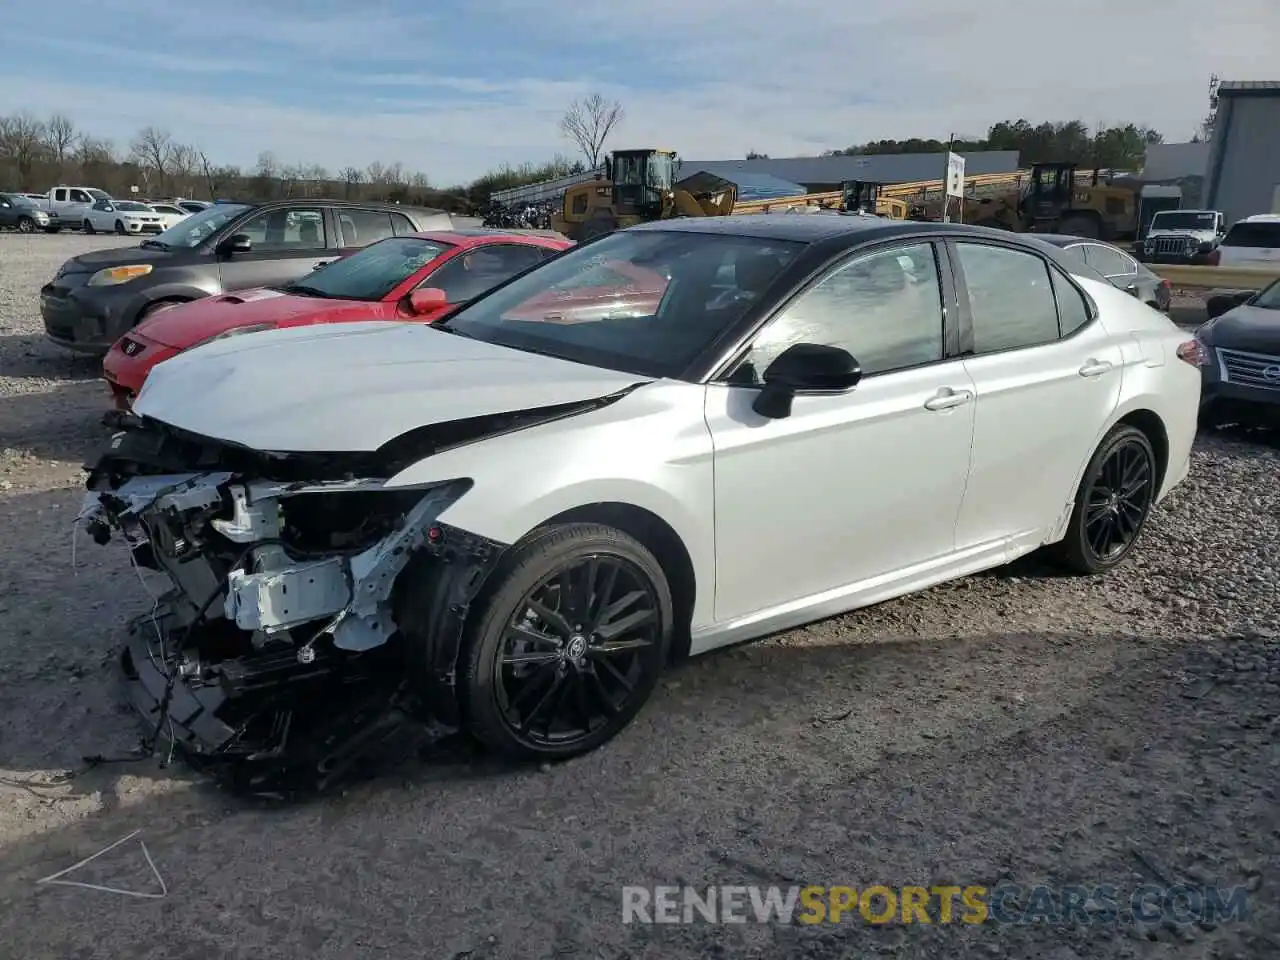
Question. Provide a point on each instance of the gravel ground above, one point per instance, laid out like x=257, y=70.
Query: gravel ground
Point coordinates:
x=1016, y=726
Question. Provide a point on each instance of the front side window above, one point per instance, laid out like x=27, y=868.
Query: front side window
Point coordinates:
x=1010, y=296
x=673, y=301
x=372, y=273
x=79, y=196
x=885, y=308
x=284, y=230
x=470, y=274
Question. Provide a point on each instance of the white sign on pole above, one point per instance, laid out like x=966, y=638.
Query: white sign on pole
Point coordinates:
x=955, y=175
x=133, y=189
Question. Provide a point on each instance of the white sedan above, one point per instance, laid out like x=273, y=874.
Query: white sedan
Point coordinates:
x=121, y=216
x=170, y=213
x=512, y=518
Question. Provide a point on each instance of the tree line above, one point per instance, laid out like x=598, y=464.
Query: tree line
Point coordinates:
x=36, y=154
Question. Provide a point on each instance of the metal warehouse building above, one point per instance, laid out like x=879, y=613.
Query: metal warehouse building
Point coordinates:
x=1243, y=177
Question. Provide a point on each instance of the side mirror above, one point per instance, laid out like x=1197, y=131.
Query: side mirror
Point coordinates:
x=427, y=301
x=239, y=243
x=805, y=368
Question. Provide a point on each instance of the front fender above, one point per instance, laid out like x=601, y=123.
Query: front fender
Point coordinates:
x=651, y=450
x=143, y=298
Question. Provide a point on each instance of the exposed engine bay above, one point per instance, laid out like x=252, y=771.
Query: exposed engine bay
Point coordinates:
x=313, y=617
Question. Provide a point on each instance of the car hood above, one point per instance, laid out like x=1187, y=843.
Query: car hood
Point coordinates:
x=186, y=325
x=115, y=257
x=353, y=387
x=1251, y=329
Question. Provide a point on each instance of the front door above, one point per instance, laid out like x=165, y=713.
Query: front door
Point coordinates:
x=287, y=243
x=1047, y=376
x=849, y=487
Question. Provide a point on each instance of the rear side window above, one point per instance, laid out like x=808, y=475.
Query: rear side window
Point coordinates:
x=1259, y=233
x=363, y=227
x=1011, y=297
x=402, y=225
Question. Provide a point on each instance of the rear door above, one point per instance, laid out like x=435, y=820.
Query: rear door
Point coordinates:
x=1047, y=376
x=1251, y=243
x=288, y=242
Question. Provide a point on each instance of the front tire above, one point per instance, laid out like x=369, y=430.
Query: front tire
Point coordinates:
x=1080, y=225
x=120, y=228
x=1112, y=505
x=567, y=645
x=87, y=227
x=26, y=225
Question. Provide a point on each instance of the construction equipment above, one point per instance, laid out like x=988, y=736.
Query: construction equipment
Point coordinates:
x=1057, y=199
x=861, y=196
x=639, y=186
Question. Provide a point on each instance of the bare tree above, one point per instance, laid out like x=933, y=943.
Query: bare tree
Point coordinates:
x=22, y=143
x=268, y=165
x=152, y=150
x=588, y=123
x=61, y=136
x=419, y=181
x=215, y=177
x=95, y=158
x=350, y=177
x=184, y=161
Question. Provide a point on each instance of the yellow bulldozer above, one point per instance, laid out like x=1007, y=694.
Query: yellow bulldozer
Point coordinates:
x=1056, y=199
x=638, y=186
x=862, y=196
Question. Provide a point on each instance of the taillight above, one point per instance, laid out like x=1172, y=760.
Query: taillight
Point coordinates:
x=1214, y=257
x=1193, y=352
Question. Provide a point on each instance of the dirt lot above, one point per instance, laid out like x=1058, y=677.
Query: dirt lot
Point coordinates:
x=1017, y=726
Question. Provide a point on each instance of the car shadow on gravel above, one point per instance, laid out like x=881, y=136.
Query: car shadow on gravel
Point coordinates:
x=34, y=357
x=60, y=423
x=769, y=764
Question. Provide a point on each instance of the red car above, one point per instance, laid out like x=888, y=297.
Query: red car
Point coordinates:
x=415, y=277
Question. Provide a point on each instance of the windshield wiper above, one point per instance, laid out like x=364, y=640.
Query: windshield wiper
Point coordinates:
x=153, y=245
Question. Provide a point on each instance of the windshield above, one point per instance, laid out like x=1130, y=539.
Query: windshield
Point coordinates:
x=1269, y=298
x=200, y=226
x=1256, y=233
x=372, y=273
x=645, y=301
x=98, y=194
x=24, y=202
x=1184, y=220
x=130, y=205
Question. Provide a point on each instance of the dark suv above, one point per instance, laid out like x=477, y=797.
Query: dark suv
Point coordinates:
x=96, y=297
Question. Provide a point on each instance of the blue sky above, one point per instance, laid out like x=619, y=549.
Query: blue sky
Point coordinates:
x=452, y=89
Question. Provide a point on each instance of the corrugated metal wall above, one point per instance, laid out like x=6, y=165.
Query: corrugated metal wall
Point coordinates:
x=1244, y=164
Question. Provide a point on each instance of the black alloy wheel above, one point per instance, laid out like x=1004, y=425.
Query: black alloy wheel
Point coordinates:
x=120, y=227
x=570, y=644
x=26, y=225
x=1112, y=505
x=87, y=227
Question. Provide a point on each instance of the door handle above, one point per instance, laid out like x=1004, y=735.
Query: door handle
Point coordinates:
x=946, y=399
x=1095, y=368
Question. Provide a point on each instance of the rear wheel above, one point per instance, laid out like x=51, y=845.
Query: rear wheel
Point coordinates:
x=1112, y=504
x=599, y=224
x=26, y=225
x=568, y=645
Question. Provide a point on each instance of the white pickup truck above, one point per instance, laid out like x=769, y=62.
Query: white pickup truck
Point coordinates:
x=66, y=205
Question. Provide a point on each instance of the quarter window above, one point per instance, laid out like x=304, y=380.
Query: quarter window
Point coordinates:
x=402, y=224
x=885, y=308
x=1011, y=298
x=1108, y=262
x=1073, y=310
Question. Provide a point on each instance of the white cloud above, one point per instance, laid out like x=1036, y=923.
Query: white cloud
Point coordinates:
x=786, y=80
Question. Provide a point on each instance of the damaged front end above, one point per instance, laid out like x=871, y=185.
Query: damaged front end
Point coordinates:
x=314, y=616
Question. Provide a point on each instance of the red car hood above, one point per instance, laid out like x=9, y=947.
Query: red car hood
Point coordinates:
x=186, y=325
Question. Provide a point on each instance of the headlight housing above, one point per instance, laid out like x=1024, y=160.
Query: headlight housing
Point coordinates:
x=114, y=276
x=235, y=331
